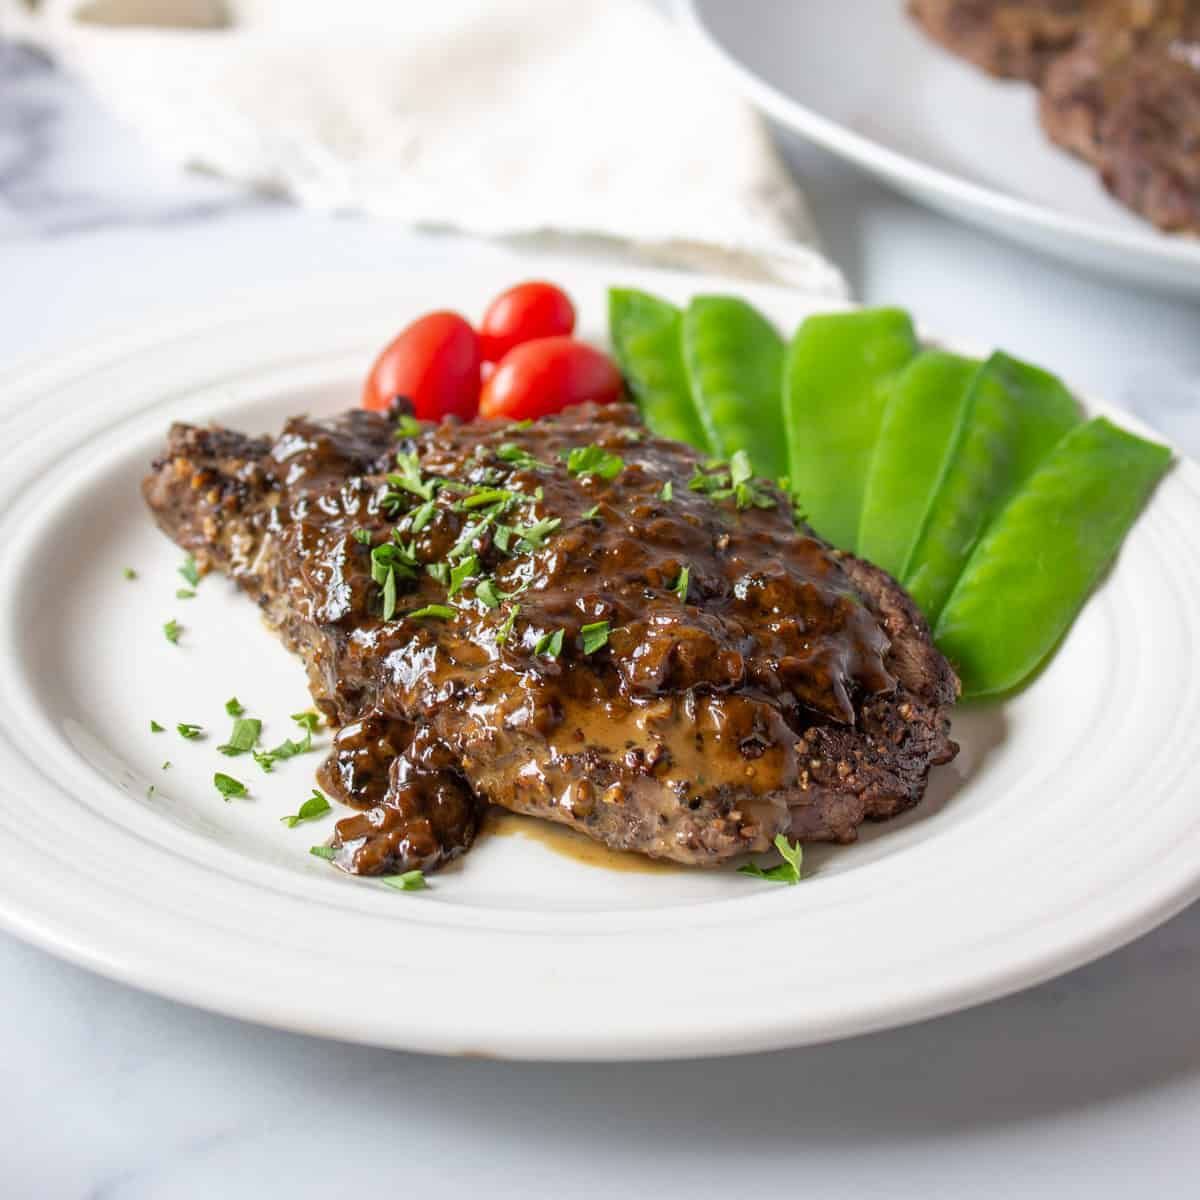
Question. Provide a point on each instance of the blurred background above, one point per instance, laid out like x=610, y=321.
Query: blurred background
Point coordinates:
x=158, y=156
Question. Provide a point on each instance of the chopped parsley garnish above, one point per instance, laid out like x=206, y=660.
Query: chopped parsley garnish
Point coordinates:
x=234, y=707
x=129, y=573
x=505, y=630
x=485, y=496
x=410, y=881
x=244, y=736
x=486, y=594
x=592, y=513
x=326, y=852
x=171, y=631
x=442, y=612
x=150, y=792
x=549, y=644
x=408, y=426
x=667, y=492
x=421, y=516
x=362, y=536
x=228, y=786
x=167, y=765
x=501, y=537
x=315, y=806
x=680, y=586
x=288, y=748
x=189, y=571
x=439, y=571
x=184, y=593
x=787, y=871
x=594, y=636
x=520, y=458
x=736, y=479
x=408, y=477
x=533, y=536
x=389, y=595
x=189, y=731
x=594, y=460
x=308, y=720
x=155, y=727
x=461, y=572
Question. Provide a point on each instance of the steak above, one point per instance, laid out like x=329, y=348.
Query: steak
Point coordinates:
x=1013, y=39
x=572, y=619
x=1127, y=99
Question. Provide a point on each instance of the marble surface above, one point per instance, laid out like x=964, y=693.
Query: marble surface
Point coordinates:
x=1088, y=1084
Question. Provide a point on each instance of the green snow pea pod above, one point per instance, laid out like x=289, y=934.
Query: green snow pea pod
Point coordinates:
x=1033, y=569
x=646, y=335
x=839, y=369
x=734, y=359
x=922, y=422
x=1017, y=413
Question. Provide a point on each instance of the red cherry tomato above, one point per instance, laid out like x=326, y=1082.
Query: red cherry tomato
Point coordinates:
x=435, y=363
x=545, y=376
x=527, y=311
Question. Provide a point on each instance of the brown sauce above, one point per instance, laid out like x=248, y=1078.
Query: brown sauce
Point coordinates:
x=499, y=822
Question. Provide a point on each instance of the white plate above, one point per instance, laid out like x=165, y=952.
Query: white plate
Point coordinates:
x=1068, y=824
x=862, y=80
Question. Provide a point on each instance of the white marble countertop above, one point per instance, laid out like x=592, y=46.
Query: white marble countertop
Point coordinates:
x=1090, y=1084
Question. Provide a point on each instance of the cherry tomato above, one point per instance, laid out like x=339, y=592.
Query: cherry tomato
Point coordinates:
x=435, y=363
x=527, y=311
x=545, y=376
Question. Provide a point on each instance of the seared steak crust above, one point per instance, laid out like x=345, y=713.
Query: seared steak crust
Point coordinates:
x=753, y=681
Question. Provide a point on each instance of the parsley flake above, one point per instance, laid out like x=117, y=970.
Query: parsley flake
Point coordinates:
x=243, y=738
x=288, y=748
x=534, y=536
x=440, y=612
x=594, y=460
x=191, y=732
x=326, y=852
x=315, y=806
x=505, y=630
x=461, y=572
x=680, y=586
x=228, y=786
x=184, y=593
x=129, y=573
x=308, y=720
x=787, y=871
x=421, y=516
x=486, y=594
x=408, y=426
x=668, y=491
x=171, y=631
x=549, y=644
x=408, y=477
x=594, y=636
x=362, y=536
x=155, y=727
x=592, y=514
x=190, y=571
x=520, y=458
x=410, y=881
x=233, y=706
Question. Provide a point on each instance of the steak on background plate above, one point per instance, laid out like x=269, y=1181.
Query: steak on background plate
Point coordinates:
x=679, y=670
x=1013, y=39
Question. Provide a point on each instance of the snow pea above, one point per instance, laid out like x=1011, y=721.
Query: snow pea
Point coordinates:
x=1032, y=571
x=646, y=335
x=839, y=369
x=1017, y=413
x=734, y=359
x=922, y=422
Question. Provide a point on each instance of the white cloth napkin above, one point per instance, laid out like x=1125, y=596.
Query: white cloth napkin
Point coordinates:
x=497, y=117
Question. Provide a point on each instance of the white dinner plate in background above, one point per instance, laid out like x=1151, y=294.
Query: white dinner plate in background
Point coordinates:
x=864, y=81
